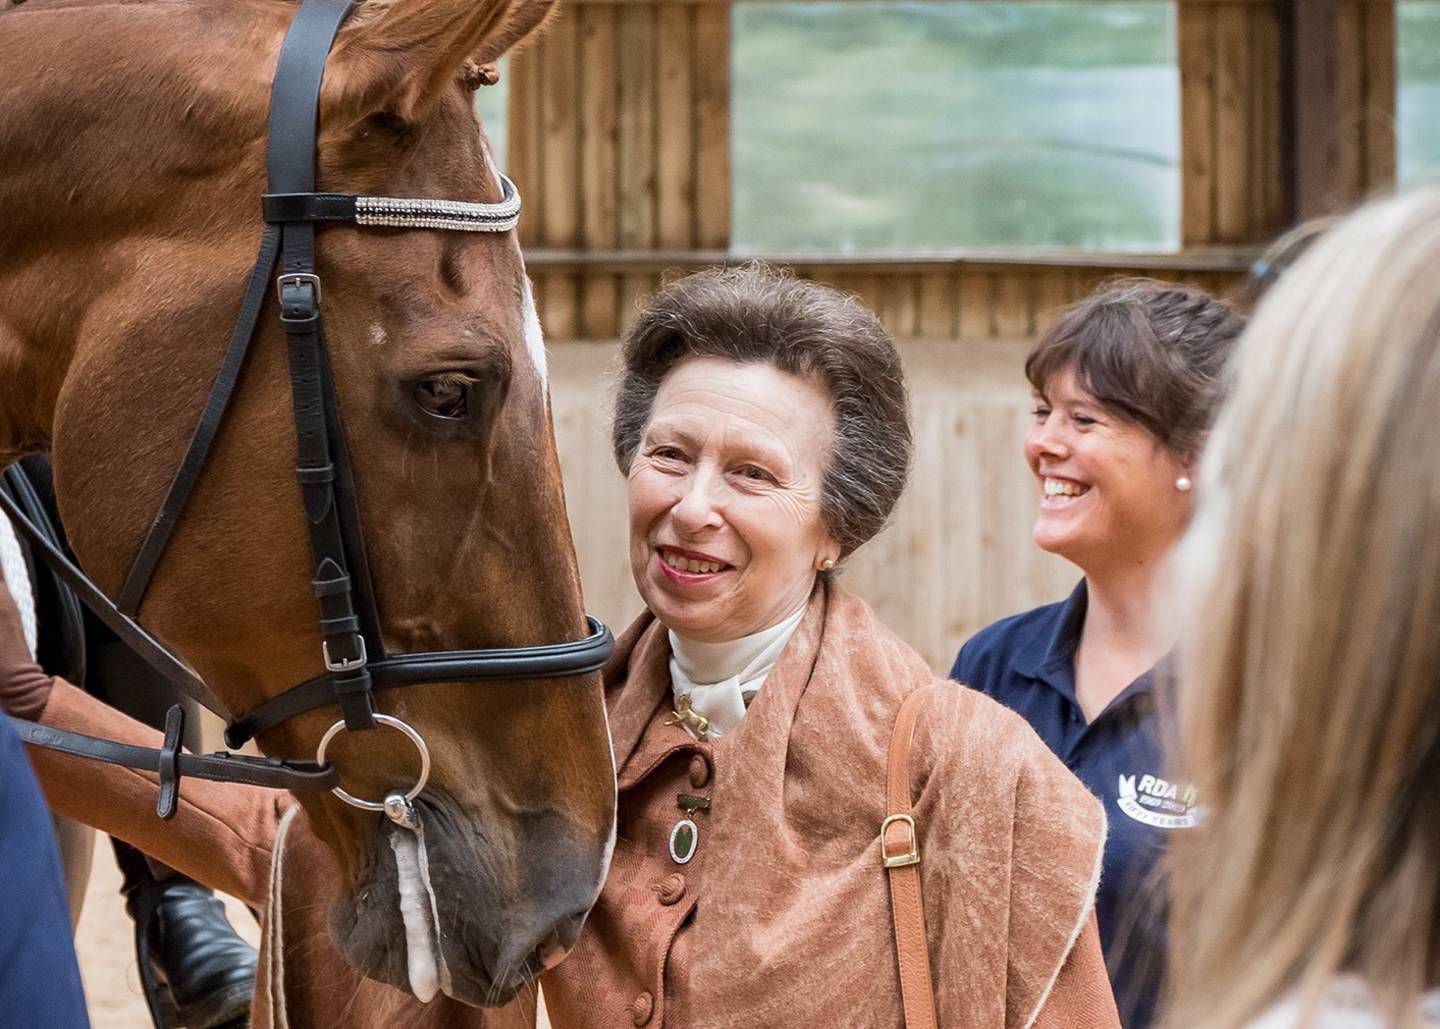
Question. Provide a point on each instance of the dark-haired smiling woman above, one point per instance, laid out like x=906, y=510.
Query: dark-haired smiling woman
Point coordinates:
x=1125, y=385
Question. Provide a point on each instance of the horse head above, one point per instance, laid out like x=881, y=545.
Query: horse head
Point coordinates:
x=135, y=141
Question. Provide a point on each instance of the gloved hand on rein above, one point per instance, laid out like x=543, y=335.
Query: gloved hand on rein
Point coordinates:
x=24, y=687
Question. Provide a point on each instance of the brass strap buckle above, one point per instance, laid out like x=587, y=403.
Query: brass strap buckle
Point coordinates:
x=909, y=857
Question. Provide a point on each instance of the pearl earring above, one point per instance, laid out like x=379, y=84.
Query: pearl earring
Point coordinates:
x=1183, y=484
x=827, y=564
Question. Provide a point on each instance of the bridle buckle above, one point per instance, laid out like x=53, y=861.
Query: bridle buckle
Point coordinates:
x=299, y=279
x=346, y=664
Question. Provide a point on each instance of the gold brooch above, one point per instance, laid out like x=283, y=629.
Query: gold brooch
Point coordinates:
x=688, y=716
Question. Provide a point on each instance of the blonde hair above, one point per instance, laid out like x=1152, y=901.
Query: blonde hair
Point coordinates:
x=1309, y=705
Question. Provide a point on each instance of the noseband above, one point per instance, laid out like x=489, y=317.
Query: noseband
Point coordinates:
x=352, y=645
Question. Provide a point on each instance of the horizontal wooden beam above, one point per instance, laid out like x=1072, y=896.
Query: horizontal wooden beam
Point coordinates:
x=1198, y=259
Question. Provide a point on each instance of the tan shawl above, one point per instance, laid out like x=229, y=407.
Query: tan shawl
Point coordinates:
x=792, y=925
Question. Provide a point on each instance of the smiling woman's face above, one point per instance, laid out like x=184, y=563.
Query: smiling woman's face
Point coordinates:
x=725, y=489
x=1107, y=486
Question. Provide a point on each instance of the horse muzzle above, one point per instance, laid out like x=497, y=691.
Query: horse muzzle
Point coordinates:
x=500, y=907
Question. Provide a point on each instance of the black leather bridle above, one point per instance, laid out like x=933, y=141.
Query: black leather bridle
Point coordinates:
x=352, y=648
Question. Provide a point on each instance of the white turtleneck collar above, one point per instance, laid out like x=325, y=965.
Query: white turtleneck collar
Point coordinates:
x=721, y=678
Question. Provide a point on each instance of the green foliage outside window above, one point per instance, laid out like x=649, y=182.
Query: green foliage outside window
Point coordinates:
x=1418, y=109
x=866, y=127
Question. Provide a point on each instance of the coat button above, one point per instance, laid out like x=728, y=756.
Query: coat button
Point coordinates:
x=641, y=1007
x=670, y=889
x=699, y=771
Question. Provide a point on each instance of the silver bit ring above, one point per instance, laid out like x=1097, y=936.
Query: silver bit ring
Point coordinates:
x=372, y=805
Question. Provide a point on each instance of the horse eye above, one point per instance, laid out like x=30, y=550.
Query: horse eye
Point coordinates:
x=443, y=398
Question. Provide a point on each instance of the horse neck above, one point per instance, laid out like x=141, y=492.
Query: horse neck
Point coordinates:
x=92, y=184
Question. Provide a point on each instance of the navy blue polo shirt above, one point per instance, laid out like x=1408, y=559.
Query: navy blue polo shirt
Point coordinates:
x=39, y=980
x=1027, y=662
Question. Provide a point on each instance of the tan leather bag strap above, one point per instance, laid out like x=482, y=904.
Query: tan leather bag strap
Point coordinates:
x=900, y=855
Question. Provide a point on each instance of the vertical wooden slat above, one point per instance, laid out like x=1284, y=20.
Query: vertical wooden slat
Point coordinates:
x=598, y=127
x=899, y=305
x=1232, y=152
x=1312, y=36
x=1053, y=291
x=977, y=305
x=869, y=287
x=1266, y=211
x=1380, y=96
x=939, y=311
x=636, y=27
x=523, y=131
x=558, y=137
x=599, y=305
x=1196, y=35
x=675, y=126
x=560, y=133
x=712, y=126
x=1015, y=306
x=599, y=299
x=1347, y=177
x=557, y=305
x=1268, y=83
x=926, y=500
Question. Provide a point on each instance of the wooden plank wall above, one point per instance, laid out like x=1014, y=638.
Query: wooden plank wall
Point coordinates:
x=620, y=138
x=953, y=299
x=1234, y=147
x=1366, y=81
x=619, y=124
x=619, y=133
x=1232, y=183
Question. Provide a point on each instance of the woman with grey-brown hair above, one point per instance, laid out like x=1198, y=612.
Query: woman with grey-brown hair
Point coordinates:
x=762, y=427
x=811, y=830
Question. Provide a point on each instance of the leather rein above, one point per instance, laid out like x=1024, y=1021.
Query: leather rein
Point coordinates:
x=352, y=644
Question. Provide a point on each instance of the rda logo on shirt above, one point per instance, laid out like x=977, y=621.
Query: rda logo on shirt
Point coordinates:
x=1159, y=803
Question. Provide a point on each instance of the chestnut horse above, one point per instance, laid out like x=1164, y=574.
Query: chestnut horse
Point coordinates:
x=132, y=136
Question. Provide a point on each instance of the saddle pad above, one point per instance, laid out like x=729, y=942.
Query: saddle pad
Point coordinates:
x=17, y=578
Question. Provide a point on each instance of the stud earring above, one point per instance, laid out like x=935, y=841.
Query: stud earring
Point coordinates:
x=1183, y=484
x=827, y=564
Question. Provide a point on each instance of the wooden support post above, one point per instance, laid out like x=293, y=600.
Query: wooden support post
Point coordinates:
x=1312, y=57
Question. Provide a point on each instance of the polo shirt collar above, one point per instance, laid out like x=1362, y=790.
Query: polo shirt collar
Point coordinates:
x=1054, y=663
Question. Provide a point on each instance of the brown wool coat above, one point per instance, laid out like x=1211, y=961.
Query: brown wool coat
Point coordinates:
x=782, y=918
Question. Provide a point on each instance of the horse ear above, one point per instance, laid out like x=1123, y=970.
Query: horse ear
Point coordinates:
x=399, y=56
x=523, y=18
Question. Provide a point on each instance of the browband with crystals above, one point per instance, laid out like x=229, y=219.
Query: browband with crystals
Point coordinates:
x=396, y=212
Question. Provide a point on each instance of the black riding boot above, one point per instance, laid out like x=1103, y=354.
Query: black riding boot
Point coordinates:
x=195, y=970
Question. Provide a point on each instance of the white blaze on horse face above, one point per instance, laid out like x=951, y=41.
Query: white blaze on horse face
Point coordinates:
x=534, y=336
x=377, y=335
x=615, y=812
